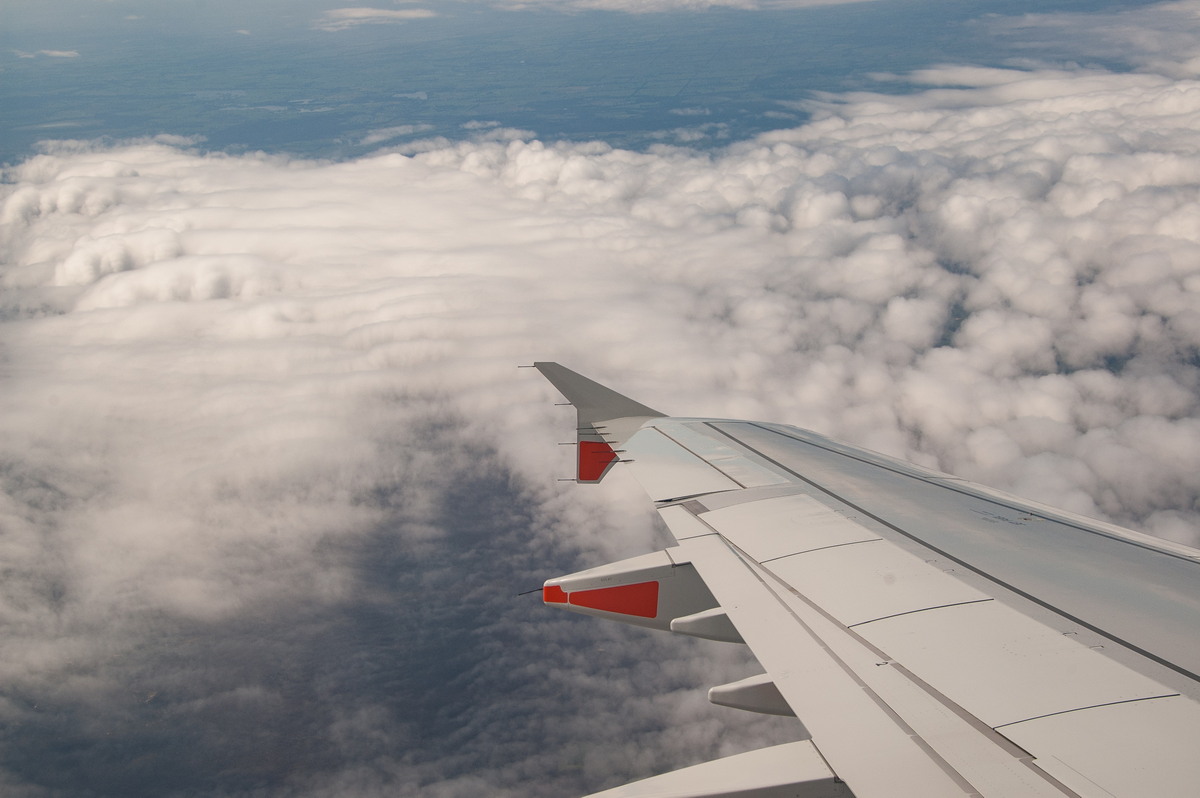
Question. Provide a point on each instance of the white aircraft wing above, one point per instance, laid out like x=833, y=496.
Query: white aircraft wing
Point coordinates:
x=933, y=637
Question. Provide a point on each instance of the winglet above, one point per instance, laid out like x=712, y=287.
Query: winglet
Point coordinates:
x=604, y=418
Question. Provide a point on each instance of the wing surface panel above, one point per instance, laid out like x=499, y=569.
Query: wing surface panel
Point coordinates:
x=748, y=472
x=1001, y=666
x=755, y=526
x=1079, y=569
x=683, y=524
x=1135, y=748
x=864, y=583
x=668, y=471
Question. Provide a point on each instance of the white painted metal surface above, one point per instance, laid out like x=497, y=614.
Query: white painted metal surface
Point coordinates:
x=1001, y=666
x=1140, y=591
x=683, y=524
x=1138, y=748
x=981, y=757
x=697, y=439
x=677, y=590
x=711, y=624
x=867, y=747
x=656, y=565
x=668, y=471
x=868, y=581
x=792, y=770
x=774, y=528
x=753, y=694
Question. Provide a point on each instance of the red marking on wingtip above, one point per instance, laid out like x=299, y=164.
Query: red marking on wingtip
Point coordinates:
x=553, y=594
x=594, y=459
x=640, y=599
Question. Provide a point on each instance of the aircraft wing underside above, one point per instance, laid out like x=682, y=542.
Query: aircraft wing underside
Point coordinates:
x=934, y=637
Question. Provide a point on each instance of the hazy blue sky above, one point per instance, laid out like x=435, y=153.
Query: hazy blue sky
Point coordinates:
x=270, y=480
x=281, y=76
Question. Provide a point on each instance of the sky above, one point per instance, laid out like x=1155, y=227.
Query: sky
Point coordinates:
x=271, y=480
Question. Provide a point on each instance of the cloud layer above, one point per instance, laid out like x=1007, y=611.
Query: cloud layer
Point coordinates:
x=269, y=477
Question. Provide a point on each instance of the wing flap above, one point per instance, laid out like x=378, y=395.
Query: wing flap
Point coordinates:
x=792, y=770
x=776, y=527
x=1001, y=666
x=1122, y=748
x=870, y=581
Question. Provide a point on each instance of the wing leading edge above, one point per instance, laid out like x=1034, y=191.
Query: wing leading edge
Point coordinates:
x=934, y=637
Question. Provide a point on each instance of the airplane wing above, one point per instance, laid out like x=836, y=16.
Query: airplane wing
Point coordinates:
x=934, y=637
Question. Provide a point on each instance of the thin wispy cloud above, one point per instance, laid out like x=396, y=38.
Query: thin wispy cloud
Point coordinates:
x=383, y=134
x=47, y=54
x=345, y=18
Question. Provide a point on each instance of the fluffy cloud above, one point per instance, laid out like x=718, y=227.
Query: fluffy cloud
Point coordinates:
x=269, y=478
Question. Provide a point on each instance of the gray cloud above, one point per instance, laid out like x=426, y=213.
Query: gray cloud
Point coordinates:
x=269, y=478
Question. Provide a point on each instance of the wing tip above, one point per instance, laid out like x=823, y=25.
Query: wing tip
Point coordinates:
x=594, y=401
x=605, y=419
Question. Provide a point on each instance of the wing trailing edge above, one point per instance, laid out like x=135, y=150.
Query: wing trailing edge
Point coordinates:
x=791, y=770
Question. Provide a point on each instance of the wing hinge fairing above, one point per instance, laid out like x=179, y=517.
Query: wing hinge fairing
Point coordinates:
x=713, y=624
x=662, y=591
x=650, y=590
x=753, y=694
